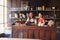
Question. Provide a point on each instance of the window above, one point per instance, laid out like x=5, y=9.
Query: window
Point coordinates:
x=3, y=15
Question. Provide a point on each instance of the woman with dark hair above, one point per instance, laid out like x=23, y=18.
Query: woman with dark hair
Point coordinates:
x=30, y=20
x=41, y=20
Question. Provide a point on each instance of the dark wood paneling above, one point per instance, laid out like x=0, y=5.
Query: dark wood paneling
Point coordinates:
x=53, y=35
x=48, y=35
x=30, y=34
x=35, y=32
x=42, y=34
x=25, y=34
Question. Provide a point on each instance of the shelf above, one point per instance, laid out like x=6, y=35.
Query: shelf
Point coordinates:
x=57, y=18
x=53, y=18
x=49, y=18
x=57, y=10
x=44, y=18
x=36, y=10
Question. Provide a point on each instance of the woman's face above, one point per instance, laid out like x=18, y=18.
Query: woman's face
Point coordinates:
x=30, y=14
x=40, y=15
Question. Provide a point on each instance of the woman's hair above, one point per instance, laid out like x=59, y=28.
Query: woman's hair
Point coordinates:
x=31, y=14
x=41, y=14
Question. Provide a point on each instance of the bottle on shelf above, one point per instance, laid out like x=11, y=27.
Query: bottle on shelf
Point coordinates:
x=31, y=8
x=53, y=8
x=39, y=8
x=43, y=7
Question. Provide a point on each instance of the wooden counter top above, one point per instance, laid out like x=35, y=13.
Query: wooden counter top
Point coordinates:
x=34, y=27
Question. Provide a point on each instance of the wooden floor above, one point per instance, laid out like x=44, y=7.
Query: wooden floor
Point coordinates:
x=16, y=39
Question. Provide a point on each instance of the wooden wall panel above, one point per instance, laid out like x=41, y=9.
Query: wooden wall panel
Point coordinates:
x=36, y=34
x=30, y=34
x=48, y=35
x=25, y=34
x=44, y=33
x=53, y=35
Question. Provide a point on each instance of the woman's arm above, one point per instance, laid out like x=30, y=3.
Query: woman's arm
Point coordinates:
x=27, y=20
x=35, y=21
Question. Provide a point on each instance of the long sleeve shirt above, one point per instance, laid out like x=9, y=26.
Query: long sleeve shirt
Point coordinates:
x=41, y=20
x=30, y=21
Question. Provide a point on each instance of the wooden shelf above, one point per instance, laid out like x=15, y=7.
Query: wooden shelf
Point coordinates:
x=49, y=18
x=37, y=10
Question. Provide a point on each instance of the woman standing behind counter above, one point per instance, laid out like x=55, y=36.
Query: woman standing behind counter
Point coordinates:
x=41, y=20
x=30, y=20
